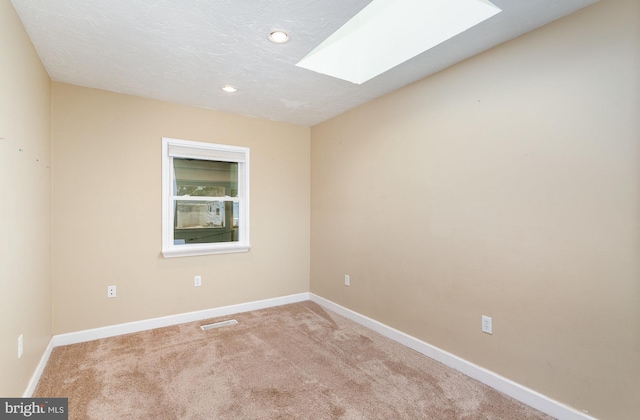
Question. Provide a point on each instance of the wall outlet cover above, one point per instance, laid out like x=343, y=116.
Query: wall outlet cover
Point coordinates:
x=487, y=324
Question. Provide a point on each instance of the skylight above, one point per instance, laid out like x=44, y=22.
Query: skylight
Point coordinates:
x=389, y=32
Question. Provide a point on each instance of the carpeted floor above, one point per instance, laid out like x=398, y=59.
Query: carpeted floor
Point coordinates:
x=296, y=361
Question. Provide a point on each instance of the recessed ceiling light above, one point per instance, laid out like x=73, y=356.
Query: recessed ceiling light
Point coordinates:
x=229, y=88
x=278, y=37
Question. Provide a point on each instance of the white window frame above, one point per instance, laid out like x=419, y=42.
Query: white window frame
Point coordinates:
x=203, y=151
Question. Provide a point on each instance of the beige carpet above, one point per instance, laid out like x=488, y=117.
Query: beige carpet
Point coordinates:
x=297, y=361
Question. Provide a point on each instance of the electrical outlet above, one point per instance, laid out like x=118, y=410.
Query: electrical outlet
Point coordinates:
x=487, y=324
x=20, y=346
x=111, y=291
x=197, y=281
x=347, y=280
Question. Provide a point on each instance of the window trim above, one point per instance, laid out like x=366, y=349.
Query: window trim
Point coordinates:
x=203, y=151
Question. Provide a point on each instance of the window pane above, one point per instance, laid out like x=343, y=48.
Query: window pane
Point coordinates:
x=199, y=214
x=205, y=178
x=205, y=222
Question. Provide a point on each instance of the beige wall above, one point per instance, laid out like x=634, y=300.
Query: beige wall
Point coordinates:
x=107, y=211
x=25, y=206
x=509, y=186
x=505, y=186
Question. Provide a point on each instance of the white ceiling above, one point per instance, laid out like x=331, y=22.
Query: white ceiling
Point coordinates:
x=183, y=51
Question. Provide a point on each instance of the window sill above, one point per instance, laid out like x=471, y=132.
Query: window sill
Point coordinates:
x=192, y=251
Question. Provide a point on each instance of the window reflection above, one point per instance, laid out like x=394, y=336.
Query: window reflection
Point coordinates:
x=205, y=221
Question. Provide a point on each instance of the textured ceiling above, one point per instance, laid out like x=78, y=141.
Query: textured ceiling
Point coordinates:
x=183, y=51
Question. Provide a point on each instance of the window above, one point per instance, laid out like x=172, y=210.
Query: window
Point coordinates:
x=205, y=198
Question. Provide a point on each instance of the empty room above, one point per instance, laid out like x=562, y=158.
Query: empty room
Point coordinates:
x=321, y=209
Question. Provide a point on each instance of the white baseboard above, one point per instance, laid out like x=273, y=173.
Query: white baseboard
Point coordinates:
x=521, y=393
x=166, y=321
x=149, y=324
x=35, y=378
x=504, y=385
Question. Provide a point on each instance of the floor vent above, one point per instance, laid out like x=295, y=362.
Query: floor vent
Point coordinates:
x=218, y=324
